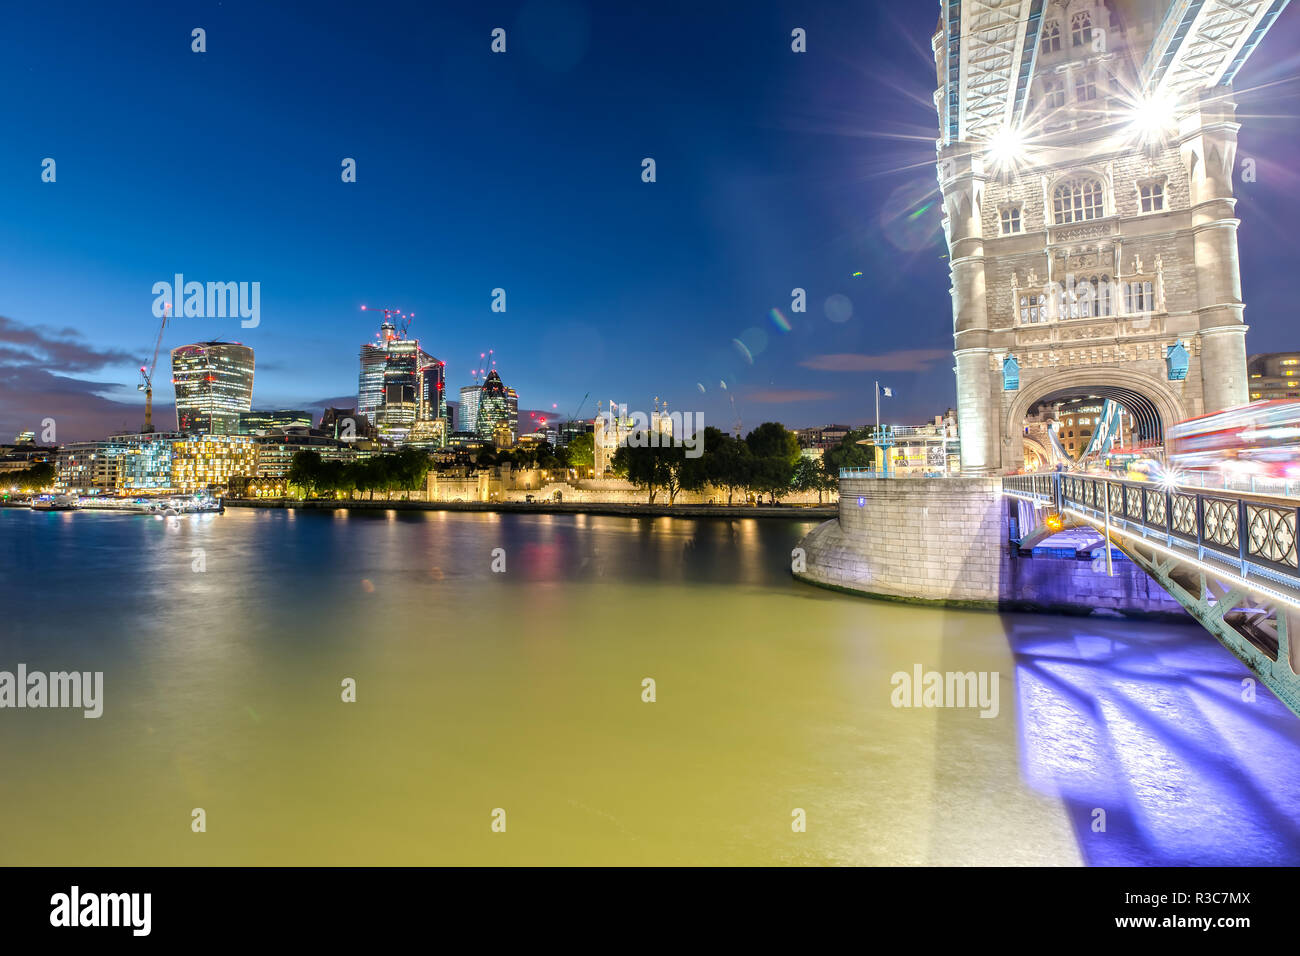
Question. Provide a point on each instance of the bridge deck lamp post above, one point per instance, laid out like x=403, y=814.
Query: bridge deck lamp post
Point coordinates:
x=885, y=441
x=883, y=438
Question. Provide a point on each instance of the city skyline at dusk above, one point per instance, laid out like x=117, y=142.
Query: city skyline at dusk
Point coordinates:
x=521, y=171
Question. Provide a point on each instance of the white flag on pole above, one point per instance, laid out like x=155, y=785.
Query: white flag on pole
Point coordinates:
x=889, y=392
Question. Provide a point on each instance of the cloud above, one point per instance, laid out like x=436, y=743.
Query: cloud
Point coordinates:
x=779, y=396
x=29, y=396
x=318, y=406
x=40, y=379
x=904, y=360
x=29, y=345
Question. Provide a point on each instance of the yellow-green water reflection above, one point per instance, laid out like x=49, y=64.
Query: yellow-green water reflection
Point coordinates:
x=477, y=691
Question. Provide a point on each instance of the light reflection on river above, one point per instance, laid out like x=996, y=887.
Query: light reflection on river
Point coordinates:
x=522, y=691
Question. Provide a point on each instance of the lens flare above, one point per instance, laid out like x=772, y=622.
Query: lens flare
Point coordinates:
x=1006, y=149
x=1151, y=117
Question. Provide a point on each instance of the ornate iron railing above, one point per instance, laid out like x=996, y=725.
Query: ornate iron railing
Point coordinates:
x=1254, y=535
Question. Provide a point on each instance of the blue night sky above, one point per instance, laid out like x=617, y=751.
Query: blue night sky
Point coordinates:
x=520, y=171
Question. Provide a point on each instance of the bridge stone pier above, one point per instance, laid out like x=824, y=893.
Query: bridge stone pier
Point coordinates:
x=919, y=539
x=945, y=541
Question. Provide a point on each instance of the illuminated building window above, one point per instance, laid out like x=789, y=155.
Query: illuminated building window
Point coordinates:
x=1077, y=200
x=1010, y=220
x=1051, y=37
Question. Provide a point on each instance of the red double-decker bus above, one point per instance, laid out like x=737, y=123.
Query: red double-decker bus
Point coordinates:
x=1259, y=440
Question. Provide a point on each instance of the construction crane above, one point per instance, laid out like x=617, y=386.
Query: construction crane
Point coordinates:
x=146, y=377
x=581, y=405
x=389, y=315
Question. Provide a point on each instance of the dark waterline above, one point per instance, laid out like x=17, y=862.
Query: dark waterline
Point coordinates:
x=522, y=691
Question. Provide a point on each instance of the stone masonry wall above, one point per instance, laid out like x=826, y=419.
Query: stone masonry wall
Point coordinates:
x=935, y=539
x=945, y=540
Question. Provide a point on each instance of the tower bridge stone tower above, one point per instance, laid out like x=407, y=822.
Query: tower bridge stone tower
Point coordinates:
x=1086, y=158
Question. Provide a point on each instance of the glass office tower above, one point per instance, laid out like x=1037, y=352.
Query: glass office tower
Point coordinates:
x=433, y=390
x=370, y=381
x=403, y=387
x=493, y=407
x=467, y=413
x=214, y=383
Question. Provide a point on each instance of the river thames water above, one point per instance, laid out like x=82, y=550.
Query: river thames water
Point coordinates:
x=224, y=641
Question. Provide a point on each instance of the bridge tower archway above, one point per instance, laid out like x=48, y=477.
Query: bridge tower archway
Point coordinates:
x=1152, y=403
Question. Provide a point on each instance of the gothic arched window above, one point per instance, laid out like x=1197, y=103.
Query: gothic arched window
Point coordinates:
x=1104, y=301
x=1077, y=200
x=1051, y=37
x=1081, y=28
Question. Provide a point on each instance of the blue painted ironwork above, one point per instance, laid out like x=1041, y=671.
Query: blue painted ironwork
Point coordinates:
x=1176, y=359
x=1158, y=60
x=1251, y=535
x=1010, y=374
x=1028, y=58
x=954, y=71
x=1253, y=40
x=1229, y=558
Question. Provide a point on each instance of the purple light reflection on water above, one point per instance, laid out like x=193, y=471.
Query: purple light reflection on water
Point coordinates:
x=1146, y=722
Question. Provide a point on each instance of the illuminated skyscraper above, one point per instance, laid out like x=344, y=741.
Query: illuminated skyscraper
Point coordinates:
x=370, y=381
x=433, y=391
x=399, y=384
x=214, y=383
x=512, y=406
x=493, y=407
x=403, y=388
x=467, y=413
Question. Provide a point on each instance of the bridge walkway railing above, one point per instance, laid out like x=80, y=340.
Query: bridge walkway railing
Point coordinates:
x=1230, y=558
x=1253, y=535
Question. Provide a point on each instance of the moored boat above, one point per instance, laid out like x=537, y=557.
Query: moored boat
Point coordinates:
x=54, y=503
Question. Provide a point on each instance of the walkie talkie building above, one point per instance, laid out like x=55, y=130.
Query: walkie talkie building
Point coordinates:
x=214, y=383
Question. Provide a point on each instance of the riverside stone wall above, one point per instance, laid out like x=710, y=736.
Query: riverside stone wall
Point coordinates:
x=945, y=540
x=504, y=484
